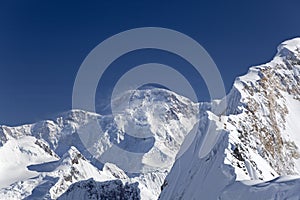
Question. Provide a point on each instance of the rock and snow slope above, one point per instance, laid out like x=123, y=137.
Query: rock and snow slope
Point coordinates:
x=259, y=139
x=253, y=145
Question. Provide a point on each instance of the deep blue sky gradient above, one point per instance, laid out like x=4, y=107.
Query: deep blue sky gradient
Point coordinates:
x=43, y=43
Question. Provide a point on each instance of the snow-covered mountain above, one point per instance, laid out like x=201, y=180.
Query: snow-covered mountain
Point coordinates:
x=258, y=139
x=42, y=160
x=248, y=151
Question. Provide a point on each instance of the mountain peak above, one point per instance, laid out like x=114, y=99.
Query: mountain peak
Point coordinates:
x=73, y=155
x=289, y=48
x=263, y=135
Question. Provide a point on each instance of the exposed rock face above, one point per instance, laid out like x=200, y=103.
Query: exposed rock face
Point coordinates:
x=261, y=117
x=90, y=189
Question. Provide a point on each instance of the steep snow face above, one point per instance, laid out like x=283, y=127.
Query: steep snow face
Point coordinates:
x=259, y=138
x=50, y=155
x=150, y=130
x=193, y=177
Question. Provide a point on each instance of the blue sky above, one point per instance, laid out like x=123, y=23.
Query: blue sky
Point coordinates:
x=43, y=43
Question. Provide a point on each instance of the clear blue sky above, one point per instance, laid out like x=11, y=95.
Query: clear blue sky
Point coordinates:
x=42, y=43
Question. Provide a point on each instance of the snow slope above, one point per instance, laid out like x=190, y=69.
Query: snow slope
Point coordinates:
x=16, y=155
